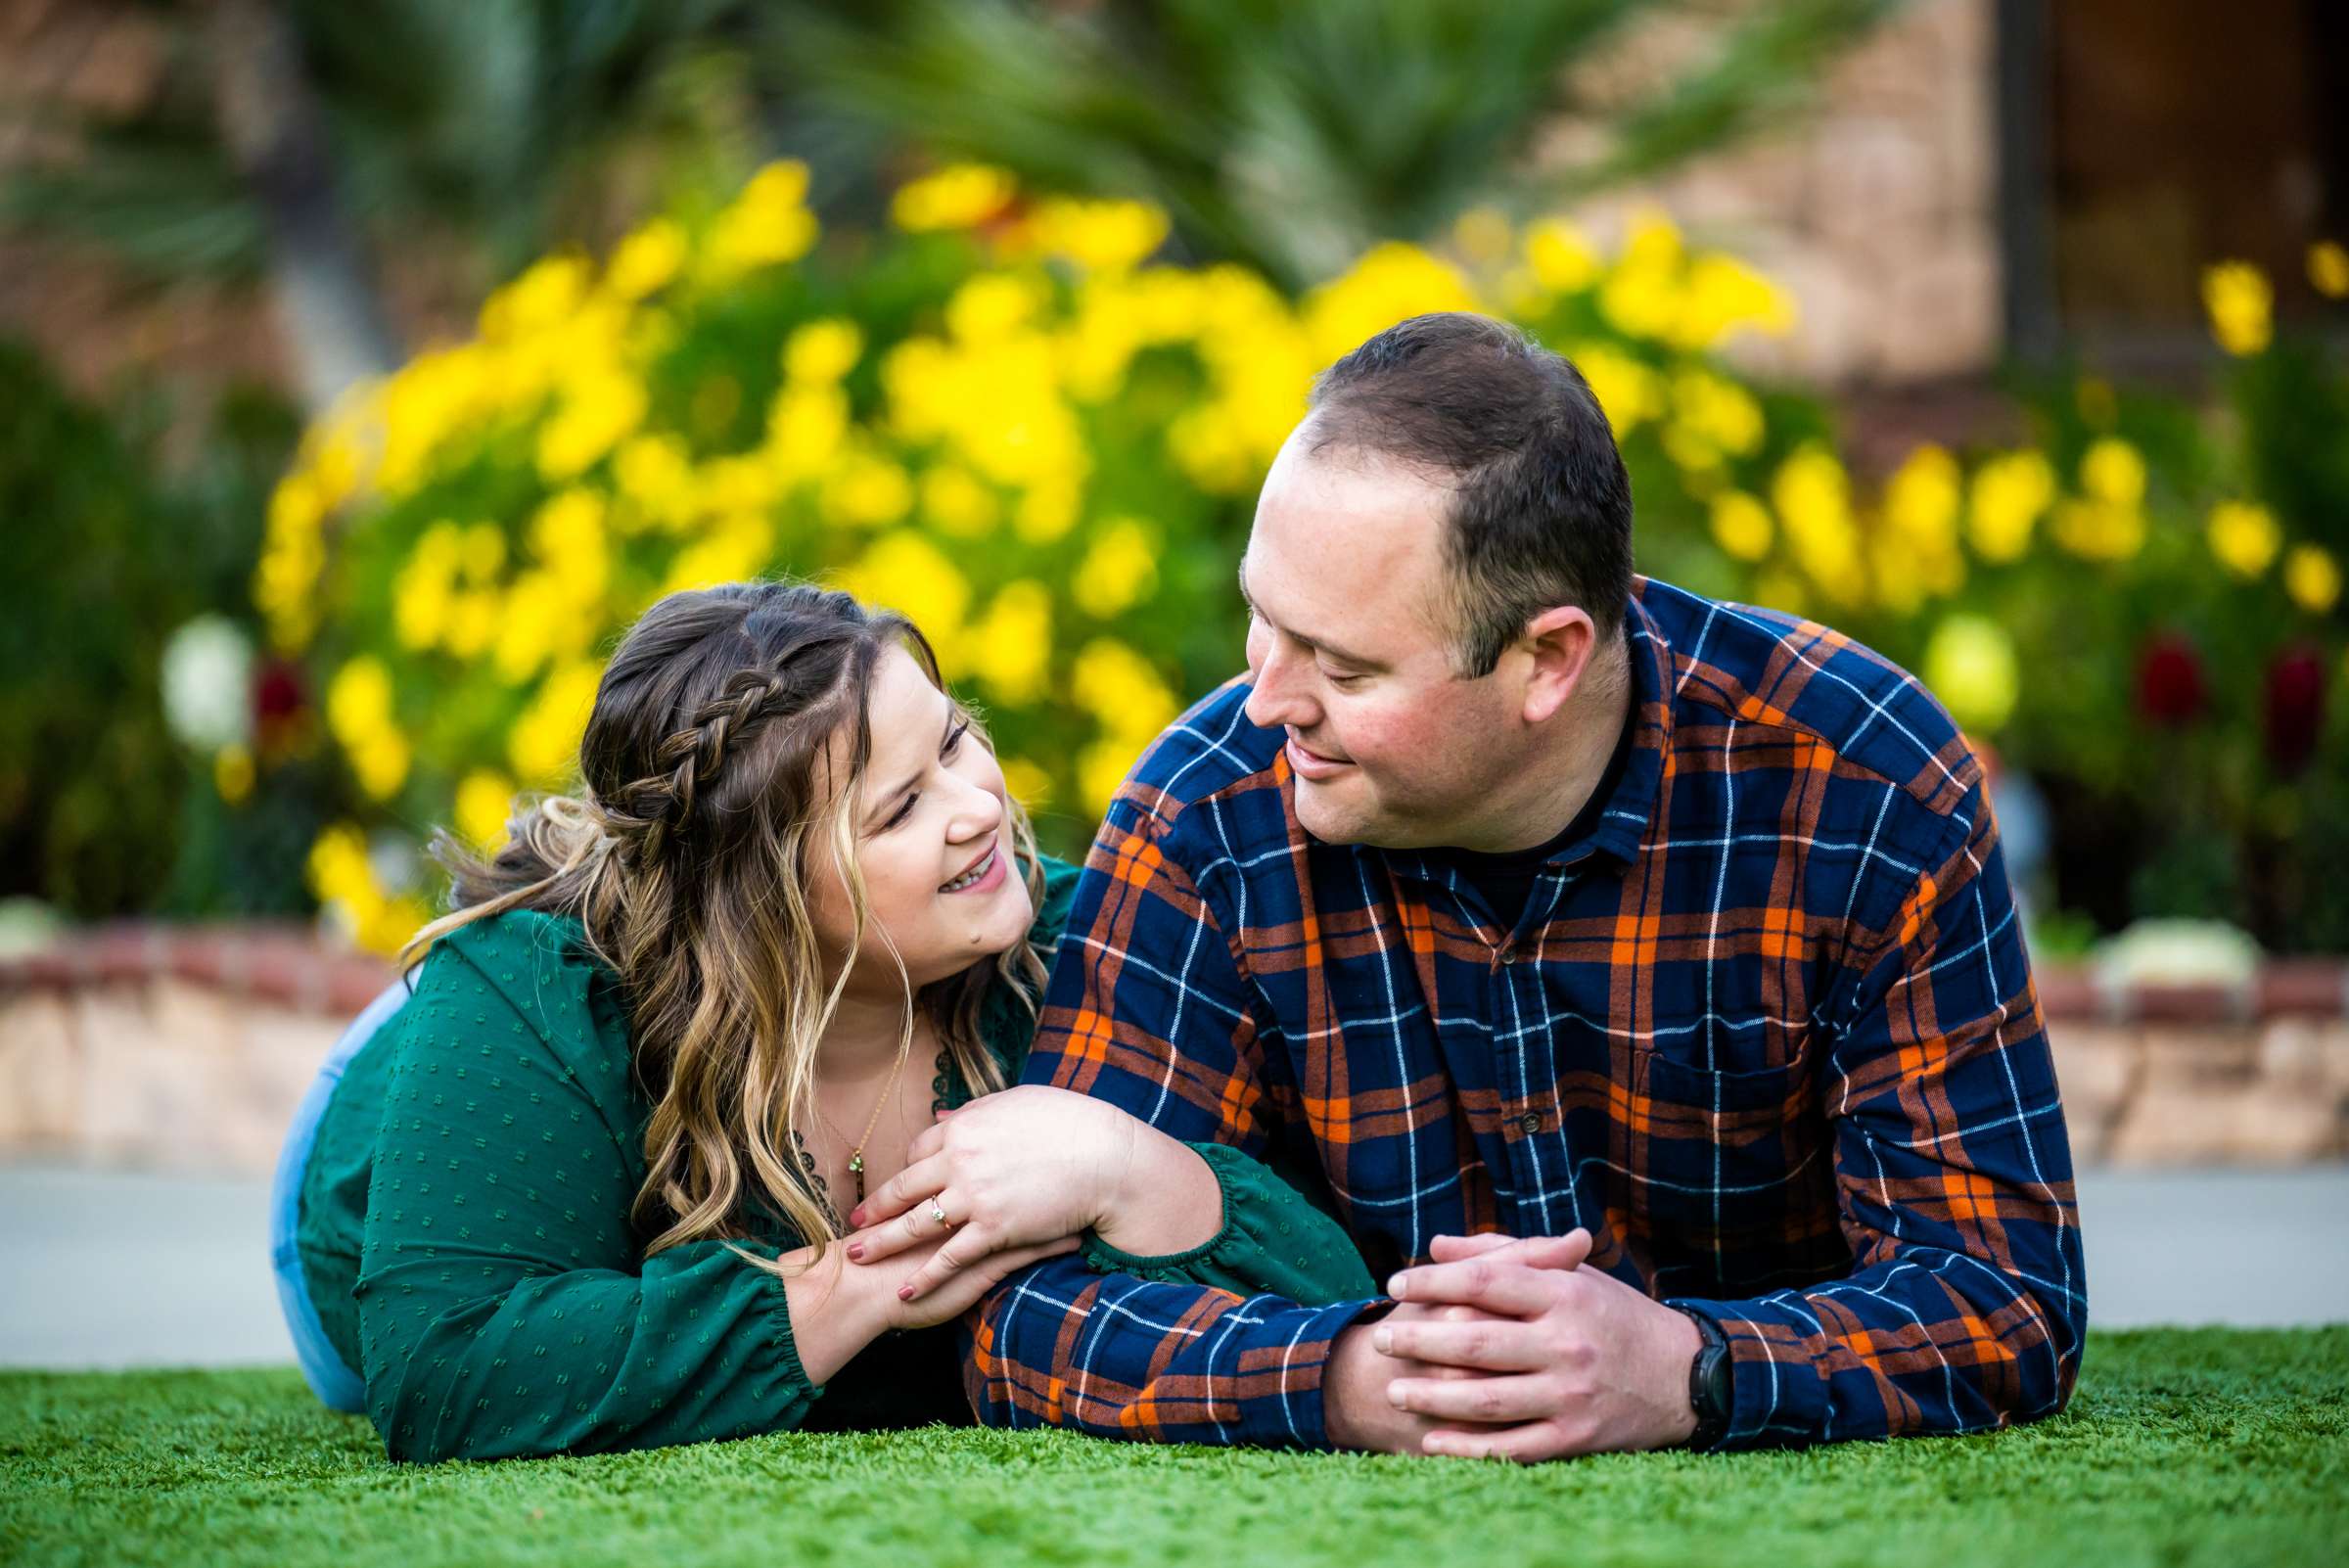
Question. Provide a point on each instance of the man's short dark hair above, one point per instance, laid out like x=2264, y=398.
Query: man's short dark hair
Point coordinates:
x=1542, y=508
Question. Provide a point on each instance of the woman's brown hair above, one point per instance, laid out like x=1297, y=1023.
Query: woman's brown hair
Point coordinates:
x=707, y=773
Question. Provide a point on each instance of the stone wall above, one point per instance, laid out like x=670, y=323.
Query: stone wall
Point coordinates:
x=1878, y=209
x=189, y=1048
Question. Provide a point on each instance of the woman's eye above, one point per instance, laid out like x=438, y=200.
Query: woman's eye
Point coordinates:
x=902, y=811
x=954, y=740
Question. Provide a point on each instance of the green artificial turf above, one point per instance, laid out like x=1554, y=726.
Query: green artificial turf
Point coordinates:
x=2206, y=1445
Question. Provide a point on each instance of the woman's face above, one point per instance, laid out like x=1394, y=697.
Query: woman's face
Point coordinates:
x=933, y=833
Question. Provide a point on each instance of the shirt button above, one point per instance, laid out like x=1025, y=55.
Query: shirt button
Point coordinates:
x=1509, y=955
x=1530, y=1121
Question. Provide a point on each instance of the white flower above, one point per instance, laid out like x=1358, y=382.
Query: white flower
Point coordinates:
x=208, y=683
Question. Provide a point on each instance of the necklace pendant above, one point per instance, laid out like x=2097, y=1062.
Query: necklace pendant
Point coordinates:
x=857, y=1170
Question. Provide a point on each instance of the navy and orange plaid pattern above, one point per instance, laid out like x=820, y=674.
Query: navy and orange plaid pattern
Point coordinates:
x=1769, y=1032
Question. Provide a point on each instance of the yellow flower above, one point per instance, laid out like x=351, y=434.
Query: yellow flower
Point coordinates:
x=806, y=428
x=484, y=799
x=2244, y=538
x=1718, y=409
x=653, y=471
x=2329, y=268
x=1923, y=499
x=2113, y=471
x=956, y=197
x=1722, y=296
x=1970, y=665
x=765, y=226
x=1812, y=495
x=954, y=502
x=991, y=306
x=1121, y=689
x=473, y=622
x=2312, y=578
x=1389, y=282
x=233, y=773
x=2099, y=530
x=542, y=299
x=379, y=763
x=543, y=746
x=1101, y=767
x=646, y=259
x=1048, y=511
x=337, y=868
x=865, y=490
x=906, y=573
x=2241, y=305
x=1742, y=526
x=822, y=351
x=566, y=536
x=735, y=548
x=421, y=591
x=1629, y=392
x=2010, y=493
x=1120, y=570
x=1482, y=234
x=1010, y=647
x=1560, y=257
x=1101, y=235
x=596, y=410
x=359, y=700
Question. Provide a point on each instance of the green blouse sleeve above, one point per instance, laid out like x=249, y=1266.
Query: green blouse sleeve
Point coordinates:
x=1272, y=1240
x=504, y=1304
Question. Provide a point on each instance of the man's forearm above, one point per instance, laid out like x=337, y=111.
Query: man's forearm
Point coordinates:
x=1058, y=1345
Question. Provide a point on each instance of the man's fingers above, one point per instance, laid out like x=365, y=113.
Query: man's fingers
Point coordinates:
x=1494, y=1285
x=1528, y=1444
x=1492, y=1400
x=927, y=1143
x=1494, y=1344
x=921, y=1179
x=1452, y=1249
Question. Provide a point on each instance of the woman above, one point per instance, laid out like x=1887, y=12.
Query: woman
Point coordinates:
x=591, y=1186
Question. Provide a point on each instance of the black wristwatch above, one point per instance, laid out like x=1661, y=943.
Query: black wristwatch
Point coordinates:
x=1708, y=1384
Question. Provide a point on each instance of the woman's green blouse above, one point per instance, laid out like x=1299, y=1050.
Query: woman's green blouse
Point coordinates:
x=465, y=1230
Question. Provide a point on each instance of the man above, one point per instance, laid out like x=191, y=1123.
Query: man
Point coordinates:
x=1638, y=972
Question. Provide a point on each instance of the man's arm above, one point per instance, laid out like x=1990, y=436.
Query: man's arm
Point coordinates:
x=1147, y=1009
x=1954, y=1174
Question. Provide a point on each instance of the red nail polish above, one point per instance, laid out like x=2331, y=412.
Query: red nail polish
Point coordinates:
x=904, y=1293
x=857, y=1254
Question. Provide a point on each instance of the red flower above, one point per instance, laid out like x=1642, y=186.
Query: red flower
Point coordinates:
x=2293, y=708
x=2169, y=685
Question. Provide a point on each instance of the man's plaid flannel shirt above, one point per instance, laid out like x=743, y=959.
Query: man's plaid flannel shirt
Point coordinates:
x=1769, y=1032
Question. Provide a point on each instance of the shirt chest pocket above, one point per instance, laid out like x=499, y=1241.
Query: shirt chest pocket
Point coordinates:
x=1727, y=1157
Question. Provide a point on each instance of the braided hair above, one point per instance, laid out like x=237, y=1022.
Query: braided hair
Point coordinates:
x=710, y=769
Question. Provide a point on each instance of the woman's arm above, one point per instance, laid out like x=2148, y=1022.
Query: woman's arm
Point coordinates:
x=504, y=1307
x=1034, y=1163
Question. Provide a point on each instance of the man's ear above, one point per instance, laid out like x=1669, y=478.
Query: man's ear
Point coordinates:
x=1560, y=642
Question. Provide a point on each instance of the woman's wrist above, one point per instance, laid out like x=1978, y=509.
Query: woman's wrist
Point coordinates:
x=837, y=1309
x=1170, y=1199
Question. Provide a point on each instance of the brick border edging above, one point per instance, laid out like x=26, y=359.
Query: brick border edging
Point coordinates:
x=2281, y=987
x=286, y=964
x=282, y=963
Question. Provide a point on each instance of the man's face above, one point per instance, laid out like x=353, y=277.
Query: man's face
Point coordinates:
x=1349, y=652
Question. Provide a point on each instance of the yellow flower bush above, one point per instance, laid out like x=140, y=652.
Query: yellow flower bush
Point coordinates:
x=1009, y=419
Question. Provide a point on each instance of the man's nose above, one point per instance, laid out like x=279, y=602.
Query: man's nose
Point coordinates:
x=1280, y=695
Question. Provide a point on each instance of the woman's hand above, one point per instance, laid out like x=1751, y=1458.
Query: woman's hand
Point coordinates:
x=837, y=1310
x=1029, y=1165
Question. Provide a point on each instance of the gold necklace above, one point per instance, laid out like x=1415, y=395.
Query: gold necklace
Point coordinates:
x=856, y=1150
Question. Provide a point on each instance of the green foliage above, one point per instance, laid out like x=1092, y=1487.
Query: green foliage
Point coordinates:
x=107, y=558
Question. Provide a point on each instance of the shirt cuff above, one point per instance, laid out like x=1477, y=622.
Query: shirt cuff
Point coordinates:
x=1775, y=1395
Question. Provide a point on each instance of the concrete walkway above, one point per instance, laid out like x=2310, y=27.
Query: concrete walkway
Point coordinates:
x=111, y=1268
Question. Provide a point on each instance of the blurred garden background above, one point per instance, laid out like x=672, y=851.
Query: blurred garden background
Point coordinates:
x=363, y=370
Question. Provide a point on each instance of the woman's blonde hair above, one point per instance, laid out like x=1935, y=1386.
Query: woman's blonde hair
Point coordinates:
x=708, y=776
